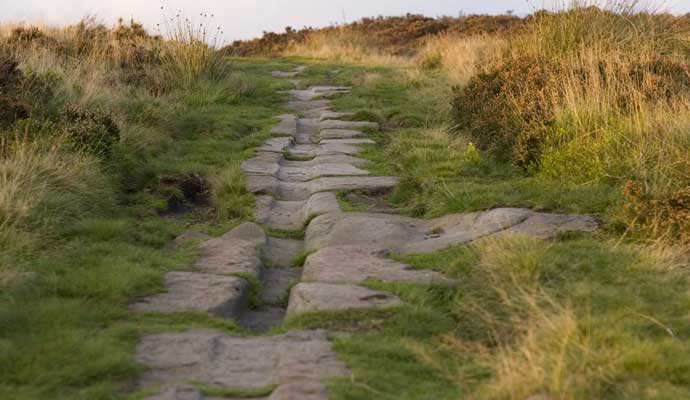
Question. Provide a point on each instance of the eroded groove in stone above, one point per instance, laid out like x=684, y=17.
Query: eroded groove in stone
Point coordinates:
x=292, y=215
x=247, y=363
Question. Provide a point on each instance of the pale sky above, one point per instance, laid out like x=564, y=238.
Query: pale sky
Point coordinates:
x=241, y=19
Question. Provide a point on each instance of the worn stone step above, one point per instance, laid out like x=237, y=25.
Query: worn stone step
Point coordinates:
x=291, y=215
x=337, y=124
x=221, y=296
x=242, y=363
x=357, y=264
x=318, y=297
x=340, y=134
x=217, y=285
x=287, y=125
x=304, y=190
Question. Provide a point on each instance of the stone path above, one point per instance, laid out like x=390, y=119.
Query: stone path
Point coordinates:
x=312, y=155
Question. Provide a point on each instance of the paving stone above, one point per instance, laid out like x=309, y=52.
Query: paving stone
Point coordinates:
x=286, y=126
x=310, y=107
x=327, y=159
x=317, y=92
x=336, y=124
x=324, y=149
x=277, y=144
x=304, y=390
x=409, y=235
x=356, y=264
x=326, y=115
x=315, y=297
x=235, y=253
x=223, y=296
x=340, y=134
x=346, y=141
x=244, y=363
x=304, y=190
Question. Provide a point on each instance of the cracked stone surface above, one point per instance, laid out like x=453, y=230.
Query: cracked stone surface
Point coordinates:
x=244, y=363
x=407, y=235
x=356, y=264
x=223, y=296
x=315, y=297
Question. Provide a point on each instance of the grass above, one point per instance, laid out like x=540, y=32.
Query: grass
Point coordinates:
x=83, y=235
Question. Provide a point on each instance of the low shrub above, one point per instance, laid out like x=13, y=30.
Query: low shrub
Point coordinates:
x=91, y=130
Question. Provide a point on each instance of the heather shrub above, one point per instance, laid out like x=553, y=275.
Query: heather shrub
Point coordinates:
x=91, y=130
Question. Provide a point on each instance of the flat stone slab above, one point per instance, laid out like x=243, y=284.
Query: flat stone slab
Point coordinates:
x=340, y=134
x=327, y=159
x=337, y=124
x=317, y=92
x=276, y=144
x=304, y=190
x=235, y=253
x=298, y=173
x=291, y=215
x=324, y=149
x=310, y=107
x=222, y=296
x=316, y=297
x=356, y=264
x=409, y=235
x=287, y=125
x=326, y=115
x=243, y=363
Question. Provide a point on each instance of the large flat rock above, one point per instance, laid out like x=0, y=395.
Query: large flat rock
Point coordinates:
x=244, y=363
x=356, y=264
x=409, y=235
x=222, y=296
x=317, y=297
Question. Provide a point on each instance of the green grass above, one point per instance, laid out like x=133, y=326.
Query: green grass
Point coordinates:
x=66, y=332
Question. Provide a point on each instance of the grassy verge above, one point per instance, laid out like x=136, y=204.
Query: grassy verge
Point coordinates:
x=578, y=317
x=97, y=183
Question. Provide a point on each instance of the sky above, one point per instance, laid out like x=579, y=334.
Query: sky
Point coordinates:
x=243, y=19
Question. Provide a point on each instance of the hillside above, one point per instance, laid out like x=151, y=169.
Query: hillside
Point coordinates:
x=482, y=207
